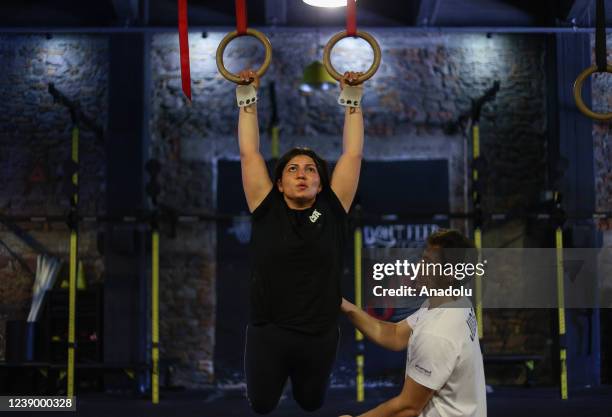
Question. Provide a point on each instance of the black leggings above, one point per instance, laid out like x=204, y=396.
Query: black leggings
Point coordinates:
x=273, y=354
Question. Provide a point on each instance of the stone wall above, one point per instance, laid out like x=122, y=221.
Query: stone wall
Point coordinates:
x=602, y=143
x=602, y=137
x=35, y=138
x=35, y=132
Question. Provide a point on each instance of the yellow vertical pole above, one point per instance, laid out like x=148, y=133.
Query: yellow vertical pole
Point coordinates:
x=478, y=244
x=73, y=269
x=477, y=229
x=155, y=315
x=561, y=311
x=275, y=142
x=476, y=144
x=359, y=383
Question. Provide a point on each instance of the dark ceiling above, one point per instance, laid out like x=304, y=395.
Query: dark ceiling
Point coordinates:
x=294, y=13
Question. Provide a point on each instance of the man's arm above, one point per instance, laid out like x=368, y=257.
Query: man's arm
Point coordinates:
x=409, y=403
x=346, y=173
x=392, y=336
x=255, y=178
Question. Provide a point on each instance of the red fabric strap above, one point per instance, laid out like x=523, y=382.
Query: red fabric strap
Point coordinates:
x=241, y=17
x=184, y=48
x=351, y=18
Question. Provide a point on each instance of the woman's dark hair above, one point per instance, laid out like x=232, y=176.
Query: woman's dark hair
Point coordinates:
x=319, y=162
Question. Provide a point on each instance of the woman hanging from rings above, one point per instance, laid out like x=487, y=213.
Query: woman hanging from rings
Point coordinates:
x=298, y=235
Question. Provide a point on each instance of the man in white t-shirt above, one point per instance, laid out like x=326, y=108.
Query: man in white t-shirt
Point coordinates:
x=444, y=369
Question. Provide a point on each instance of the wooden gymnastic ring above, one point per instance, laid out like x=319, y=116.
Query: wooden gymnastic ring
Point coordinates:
x=341, y=35
x=227, y=39
x=578, y=94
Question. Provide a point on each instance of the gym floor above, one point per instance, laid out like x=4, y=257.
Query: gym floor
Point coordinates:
x=503, y=402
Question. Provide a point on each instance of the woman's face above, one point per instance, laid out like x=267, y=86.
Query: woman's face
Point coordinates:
x=300, y=181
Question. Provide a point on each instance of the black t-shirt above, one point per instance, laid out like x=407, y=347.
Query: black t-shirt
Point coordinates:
x=296, y=262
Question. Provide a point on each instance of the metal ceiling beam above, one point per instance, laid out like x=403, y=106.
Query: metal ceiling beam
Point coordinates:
x=378, y=29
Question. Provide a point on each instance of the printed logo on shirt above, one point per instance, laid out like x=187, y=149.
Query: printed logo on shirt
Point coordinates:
x=314, y=216
x=422, y=370
x=472, y=325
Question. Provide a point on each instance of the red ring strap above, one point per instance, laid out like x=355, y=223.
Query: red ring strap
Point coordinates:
x=241, y=17
x=184, y=48
x=351, y=18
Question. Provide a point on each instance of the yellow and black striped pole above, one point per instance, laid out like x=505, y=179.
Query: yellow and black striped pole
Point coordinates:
x=478, y=223
x=561, y=299
x=359, y=383
x=74, y=249
x=155, y=314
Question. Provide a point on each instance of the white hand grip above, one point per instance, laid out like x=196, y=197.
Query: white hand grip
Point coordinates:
x=245, y=95
x=350, y=96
